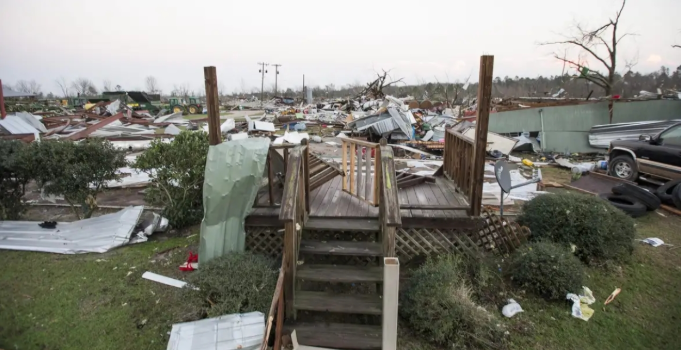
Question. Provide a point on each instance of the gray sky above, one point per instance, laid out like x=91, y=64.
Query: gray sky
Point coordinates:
x=338, y=42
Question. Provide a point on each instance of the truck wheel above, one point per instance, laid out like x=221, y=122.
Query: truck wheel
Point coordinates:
x=631, y=206
x=649, y=199
x=676, y=196
x=624, y=167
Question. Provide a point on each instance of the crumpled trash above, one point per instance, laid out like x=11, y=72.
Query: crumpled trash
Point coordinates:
x=580, y=304
x=653, y=241
x=512, y=308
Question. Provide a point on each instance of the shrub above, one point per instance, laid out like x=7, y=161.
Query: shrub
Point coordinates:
x=547, y=269
x=233, y=283
x=177, y=171
x=15, y=174
x=78, y=171
x=438, y=302
x=599, y=230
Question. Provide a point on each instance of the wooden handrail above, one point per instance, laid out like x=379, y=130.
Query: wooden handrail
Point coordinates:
x=461, y=136
x=277, y=306
x=389, y=205
x=295, y=171
x=359, y=169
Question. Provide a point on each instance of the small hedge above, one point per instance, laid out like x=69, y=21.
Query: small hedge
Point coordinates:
x=438, y=302
x=177, y=171
x=233, y=283
x=599, y=230
x=547, y=269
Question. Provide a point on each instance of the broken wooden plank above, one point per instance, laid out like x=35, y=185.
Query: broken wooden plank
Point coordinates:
x=92, y=128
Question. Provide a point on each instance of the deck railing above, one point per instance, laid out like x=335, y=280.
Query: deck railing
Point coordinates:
x=271, y=181
x=389, y=206
x=276, y=308
x=295, y=207
x=459, y=161
x=360, y=181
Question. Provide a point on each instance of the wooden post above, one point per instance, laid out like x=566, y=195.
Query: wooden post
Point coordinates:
x=213, y=105
x=290, y=236
x=3, y=113
x=280, y=321
x=345, y=164
x=353, y=154
x=391, y=285
x=377, y=174
x=481, y=126
x=270, y=176
x=306, y=174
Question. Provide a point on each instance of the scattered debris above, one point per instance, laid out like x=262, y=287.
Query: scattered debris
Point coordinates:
x=612, y=296
x=653, y=241
x=163, y=279
x=228, y=332
x=93, y=235
x=580, y=304
x=512, y=308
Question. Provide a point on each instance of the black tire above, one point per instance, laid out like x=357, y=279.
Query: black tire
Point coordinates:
x=650, y=200
x=665, y=191
x=618, y=168
x=676, y=197
x=629, y=205
x=193, y=109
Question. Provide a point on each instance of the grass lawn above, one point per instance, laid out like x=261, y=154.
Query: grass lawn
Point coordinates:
x=100, y=301
x=92, y=301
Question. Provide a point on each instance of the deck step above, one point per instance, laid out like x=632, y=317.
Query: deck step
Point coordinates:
x=340, y=273
x=342, y=224
x=341, y=303
x=341, y=248
x=337, y=335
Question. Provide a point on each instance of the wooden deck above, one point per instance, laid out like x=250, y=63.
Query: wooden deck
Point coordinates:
x=330, y=201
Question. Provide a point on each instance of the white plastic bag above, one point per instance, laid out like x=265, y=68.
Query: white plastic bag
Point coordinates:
x=512, y=308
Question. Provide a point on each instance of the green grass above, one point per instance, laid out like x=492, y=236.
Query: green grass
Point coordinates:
x=92, y=301
x=100, y=301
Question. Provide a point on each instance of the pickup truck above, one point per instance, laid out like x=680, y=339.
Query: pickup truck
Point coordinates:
x=653, y=158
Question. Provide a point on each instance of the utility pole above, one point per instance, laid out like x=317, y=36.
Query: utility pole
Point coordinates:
x=303, y=87
x=262, y=79
x=276, y=75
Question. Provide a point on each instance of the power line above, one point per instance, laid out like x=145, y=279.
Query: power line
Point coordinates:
x=276, y=75
x=262, y=79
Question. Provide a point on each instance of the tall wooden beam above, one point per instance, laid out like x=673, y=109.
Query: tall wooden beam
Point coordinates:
x=213, y=105
x=2, y=103
x=481, y=126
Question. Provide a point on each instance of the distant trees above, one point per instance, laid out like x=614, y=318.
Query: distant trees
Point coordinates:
x=84, y=86
x=106, y=85
x=181, y=90
x=29, y=87
x=152, y=85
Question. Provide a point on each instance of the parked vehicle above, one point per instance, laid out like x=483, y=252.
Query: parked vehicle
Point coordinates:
x=653, y=158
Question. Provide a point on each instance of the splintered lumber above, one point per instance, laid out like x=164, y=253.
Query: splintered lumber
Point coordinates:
x=92, y=128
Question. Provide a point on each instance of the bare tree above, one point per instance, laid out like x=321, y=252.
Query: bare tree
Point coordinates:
x=30, y=87
x=152, y=85
x=181, y=90
x=106, y=85
x=83, y=86
x=592, y=42
x=61, y=82
x=92, y=90
x=243, y=86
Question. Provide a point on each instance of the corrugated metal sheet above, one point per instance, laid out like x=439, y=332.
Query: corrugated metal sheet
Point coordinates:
x=94, y=235
x=16, y=125
x=229, y=332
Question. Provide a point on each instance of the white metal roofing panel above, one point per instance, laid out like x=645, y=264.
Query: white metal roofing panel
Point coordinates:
x=16, y=125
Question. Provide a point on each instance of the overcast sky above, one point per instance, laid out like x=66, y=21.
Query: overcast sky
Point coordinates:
x=339, y=42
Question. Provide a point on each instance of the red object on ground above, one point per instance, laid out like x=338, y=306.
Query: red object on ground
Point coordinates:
x=617, y=97
x=191, y=259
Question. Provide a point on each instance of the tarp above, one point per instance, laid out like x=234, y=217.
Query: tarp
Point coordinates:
x=234, y=171
x=94, y=235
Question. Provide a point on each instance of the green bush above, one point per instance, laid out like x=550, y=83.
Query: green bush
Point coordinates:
x=438, y=302
x=77, y=170
x=547, y=269
x=177, y=171
x=233, y=283
x=15, y=174
x=599, y=230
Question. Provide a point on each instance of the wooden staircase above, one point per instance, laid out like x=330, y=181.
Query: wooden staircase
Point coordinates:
x=329, y=304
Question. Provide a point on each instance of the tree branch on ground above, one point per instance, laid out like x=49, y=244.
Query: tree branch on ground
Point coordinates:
x=375, y=88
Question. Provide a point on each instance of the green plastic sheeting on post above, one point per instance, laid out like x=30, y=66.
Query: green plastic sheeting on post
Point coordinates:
x=234, y=172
